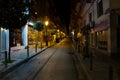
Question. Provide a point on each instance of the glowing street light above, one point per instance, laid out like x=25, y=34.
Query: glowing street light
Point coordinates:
x=46, y=23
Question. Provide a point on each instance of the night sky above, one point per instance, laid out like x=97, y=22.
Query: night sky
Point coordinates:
x=63, y=8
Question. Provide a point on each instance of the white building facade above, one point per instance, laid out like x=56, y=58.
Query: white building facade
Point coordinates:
x=4, y=40
x=103, y=19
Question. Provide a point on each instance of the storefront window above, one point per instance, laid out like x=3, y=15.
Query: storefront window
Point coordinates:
x=102, y=40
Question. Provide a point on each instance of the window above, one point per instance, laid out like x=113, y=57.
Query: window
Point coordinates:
x=99, y=8
x=90, y=19
x=91, y=22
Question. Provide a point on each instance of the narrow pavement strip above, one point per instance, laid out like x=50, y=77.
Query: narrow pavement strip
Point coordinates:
x=100, y=68
x=19, y=57
x=82, y=75
x=97, y=67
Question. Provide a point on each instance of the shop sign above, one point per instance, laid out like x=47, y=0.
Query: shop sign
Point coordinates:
x=101, y=26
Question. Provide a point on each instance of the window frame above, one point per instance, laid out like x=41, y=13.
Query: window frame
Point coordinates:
x=99, y=8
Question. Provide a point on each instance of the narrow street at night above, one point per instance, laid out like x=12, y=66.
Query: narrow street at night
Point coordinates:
x=59, y=39
x=55, y=63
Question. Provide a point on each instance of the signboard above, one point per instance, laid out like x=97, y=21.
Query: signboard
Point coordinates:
x=101, y=26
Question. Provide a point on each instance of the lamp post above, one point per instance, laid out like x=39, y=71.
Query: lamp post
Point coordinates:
x=28, y=46
x=27, y=41
x=46, y=24
x=37, y=33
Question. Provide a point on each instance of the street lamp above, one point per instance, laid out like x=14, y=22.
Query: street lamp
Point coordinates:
x=46, y=24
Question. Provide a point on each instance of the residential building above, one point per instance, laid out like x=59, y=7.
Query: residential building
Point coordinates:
x=100, y=25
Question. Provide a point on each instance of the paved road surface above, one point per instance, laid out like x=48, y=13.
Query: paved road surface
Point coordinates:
x=55, y=63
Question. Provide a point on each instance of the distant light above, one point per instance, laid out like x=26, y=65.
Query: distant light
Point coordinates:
x=2, y=29
x=58, y=30
x=73, y=33
x=79, y=34
x=46, y=23
x=26, y=12
x=30, y=23
x=36, y=13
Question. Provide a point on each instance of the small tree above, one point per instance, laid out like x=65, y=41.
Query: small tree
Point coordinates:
x=12, y=16
x=38, y=26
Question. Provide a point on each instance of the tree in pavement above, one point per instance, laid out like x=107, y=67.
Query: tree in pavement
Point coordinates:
x=12, y=16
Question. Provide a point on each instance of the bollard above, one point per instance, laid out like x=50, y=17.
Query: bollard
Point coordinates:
x=36, y=48
x=41, y=45
x=110, y=73
x=78, y=48
x=27, y=51
x=6, y=59
x=91, y=62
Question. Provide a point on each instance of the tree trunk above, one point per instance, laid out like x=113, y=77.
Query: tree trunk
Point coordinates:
x=9, y=53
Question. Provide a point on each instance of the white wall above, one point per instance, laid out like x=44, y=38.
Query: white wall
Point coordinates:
x=4, y=40
x=25, y=35
x=106, y=5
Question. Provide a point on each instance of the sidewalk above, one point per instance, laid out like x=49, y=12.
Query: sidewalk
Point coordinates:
x=19, y=56
x=100, y=67
x=97, y=67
